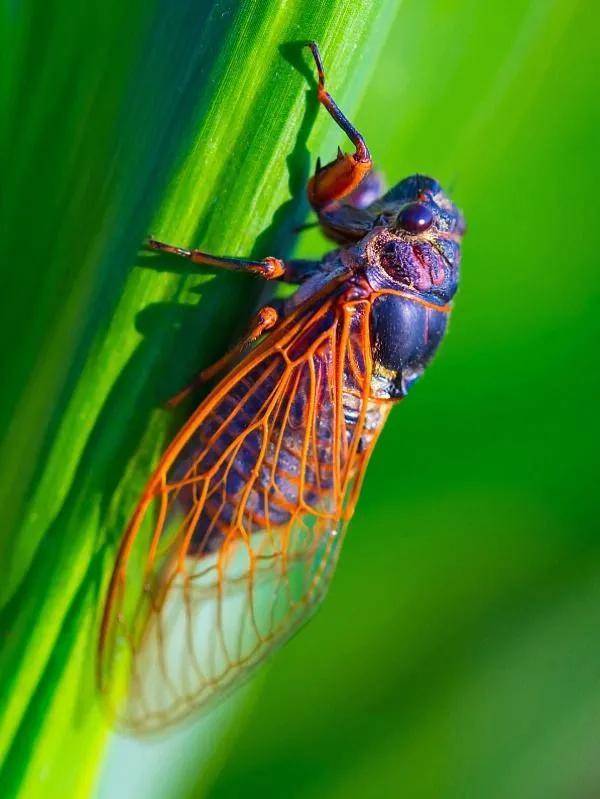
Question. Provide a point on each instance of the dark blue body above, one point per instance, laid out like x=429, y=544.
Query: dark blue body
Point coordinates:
x=404, y=337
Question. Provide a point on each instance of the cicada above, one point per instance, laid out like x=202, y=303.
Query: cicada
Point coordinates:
x=237, y=533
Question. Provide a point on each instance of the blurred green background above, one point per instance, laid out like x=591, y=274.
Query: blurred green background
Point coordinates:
x=458, y=652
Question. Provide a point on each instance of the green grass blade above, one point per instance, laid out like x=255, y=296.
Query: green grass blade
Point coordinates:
x=197, y=122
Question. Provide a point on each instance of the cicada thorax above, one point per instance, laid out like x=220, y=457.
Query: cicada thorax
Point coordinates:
x=406, y=332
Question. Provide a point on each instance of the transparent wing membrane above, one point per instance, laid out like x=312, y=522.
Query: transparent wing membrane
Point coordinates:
x=237, y=535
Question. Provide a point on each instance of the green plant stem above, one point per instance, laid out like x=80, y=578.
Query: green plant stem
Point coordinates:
x=203, y=139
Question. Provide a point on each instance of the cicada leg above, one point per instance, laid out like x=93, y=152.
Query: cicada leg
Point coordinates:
x=342, y=176
x=266, y=319
x=268, y=268
x=293, y=271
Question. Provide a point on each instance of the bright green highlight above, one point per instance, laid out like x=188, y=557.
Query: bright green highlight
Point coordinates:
x=192, y=121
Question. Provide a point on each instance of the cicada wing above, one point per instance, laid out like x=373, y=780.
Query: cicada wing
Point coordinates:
x=238, y=532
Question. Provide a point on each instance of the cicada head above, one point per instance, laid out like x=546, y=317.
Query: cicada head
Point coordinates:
x=419, y=245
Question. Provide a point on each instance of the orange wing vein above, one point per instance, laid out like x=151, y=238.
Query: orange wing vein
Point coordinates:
x=238, y=531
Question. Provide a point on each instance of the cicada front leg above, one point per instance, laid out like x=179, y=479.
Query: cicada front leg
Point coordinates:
x=342, y=176
x=342, y=191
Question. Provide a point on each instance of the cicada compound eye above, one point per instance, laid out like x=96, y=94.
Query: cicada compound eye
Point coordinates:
x=415, y=218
